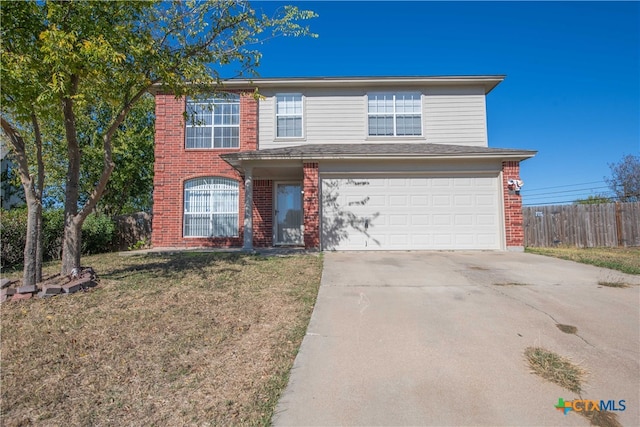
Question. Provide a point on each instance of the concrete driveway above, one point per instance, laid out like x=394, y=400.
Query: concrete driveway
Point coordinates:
x=437, y=338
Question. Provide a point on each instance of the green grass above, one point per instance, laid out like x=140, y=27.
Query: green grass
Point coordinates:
x=626, y=260
x=181, y=339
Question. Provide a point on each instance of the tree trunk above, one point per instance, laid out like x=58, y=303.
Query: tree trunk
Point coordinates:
x=32, y=272
x=71, y=246
x=39, y=237
x=39, y=191
x=71, y=240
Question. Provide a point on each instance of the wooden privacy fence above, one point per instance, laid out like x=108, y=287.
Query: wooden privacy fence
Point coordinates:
x=132, y=230
x=584, y=226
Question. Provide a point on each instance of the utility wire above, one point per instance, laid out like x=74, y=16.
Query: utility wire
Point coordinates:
x=613, y=199
x=567, y=185
x=577, y=190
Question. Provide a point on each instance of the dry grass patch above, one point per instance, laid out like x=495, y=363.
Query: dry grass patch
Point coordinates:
x=186, y=339
x=601, y=418
x=626, y=260
x=475, y=267
x=511, y=284
x=614, y=284
x=555, y=368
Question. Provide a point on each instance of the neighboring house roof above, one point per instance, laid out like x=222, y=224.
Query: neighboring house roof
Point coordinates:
x=378, y=150
x=487, y=81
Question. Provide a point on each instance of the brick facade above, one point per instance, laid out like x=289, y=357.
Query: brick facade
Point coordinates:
x=174, y=164
x=513, y=222
x=311, y=206
x=262, y=213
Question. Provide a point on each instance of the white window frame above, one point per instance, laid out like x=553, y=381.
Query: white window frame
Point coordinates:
x=289, y=115
x=395, y=114
x=216, y=187
x=211, y=104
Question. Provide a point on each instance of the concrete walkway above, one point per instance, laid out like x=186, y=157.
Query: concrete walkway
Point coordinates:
x=437, y=338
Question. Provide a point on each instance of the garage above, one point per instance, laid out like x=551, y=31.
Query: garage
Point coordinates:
x=441, y=212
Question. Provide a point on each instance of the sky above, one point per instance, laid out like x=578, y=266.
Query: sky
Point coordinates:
x=572, y=87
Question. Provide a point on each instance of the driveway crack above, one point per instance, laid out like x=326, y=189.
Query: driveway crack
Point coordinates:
x=538, y=310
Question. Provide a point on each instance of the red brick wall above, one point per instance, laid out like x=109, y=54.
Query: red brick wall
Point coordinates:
x=514, y=231
x=174, y=164
x=262, y=213
x=311, y=207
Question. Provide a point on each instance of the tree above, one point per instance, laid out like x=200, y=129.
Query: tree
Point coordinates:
x=82, y=66
x=22, y=125
x=130, y=187
x=593, y=200
x=625, y=178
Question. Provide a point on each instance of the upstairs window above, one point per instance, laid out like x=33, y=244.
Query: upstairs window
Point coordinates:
x=395, y=114
x=289, y=115
x=211, y=207
x=213, y=122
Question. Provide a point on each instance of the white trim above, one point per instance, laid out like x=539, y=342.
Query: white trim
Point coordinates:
x=210, y=103
x=411, y=174
x=211, y=203
x=488, y=82
x=274, y=220
x=301, y=115
x=247, y=243
x=394, y=114
x=503, y=216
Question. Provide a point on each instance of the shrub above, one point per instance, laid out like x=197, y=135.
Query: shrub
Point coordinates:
x=97, y=234
x=13, y=232
x=52, y=233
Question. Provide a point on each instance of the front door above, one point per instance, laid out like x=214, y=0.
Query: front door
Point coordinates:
x=288, y=214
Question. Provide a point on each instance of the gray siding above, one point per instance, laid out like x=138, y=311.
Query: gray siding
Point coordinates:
x=450, y=116
x=455, y=116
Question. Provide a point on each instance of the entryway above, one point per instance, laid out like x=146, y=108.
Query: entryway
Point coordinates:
x=288, y=224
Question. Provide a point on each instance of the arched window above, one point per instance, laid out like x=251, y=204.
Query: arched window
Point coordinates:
x=211, y=207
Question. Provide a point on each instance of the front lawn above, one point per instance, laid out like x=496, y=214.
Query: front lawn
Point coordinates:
x=184, y=339
x=626, y=260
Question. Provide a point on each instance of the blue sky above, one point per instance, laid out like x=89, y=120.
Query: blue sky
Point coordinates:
x=572, y=89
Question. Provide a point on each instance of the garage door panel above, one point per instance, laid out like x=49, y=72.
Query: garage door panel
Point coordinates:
x=375, y=200
x=420, y=200
x=442, y=201
x=463, y=182
x=488, y=201
x=487, y=239
x=410, y=213
x=398, y=201
x=486, y=219
x=463, y=219
x=420, y=219
x=464, y=239
x=398, y=220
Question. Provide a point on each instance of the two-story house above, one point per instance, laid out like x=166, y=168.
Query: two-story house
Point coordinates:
x=355, y=163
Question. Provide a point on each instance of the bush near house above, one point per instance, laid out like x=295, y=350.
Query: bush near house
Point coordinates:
x=13, y=229
x=98, y=233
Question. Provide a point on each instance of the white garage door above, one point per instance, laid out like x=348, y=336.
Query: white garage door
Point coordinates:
x=399, y=213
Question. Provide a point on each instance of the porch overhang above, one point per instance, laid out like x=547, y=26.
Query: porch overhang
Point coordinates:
x=296, y=155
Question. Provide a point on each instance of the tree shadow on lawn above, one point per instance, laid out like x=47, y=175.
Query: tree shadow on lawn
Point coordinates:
x=181, y=264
